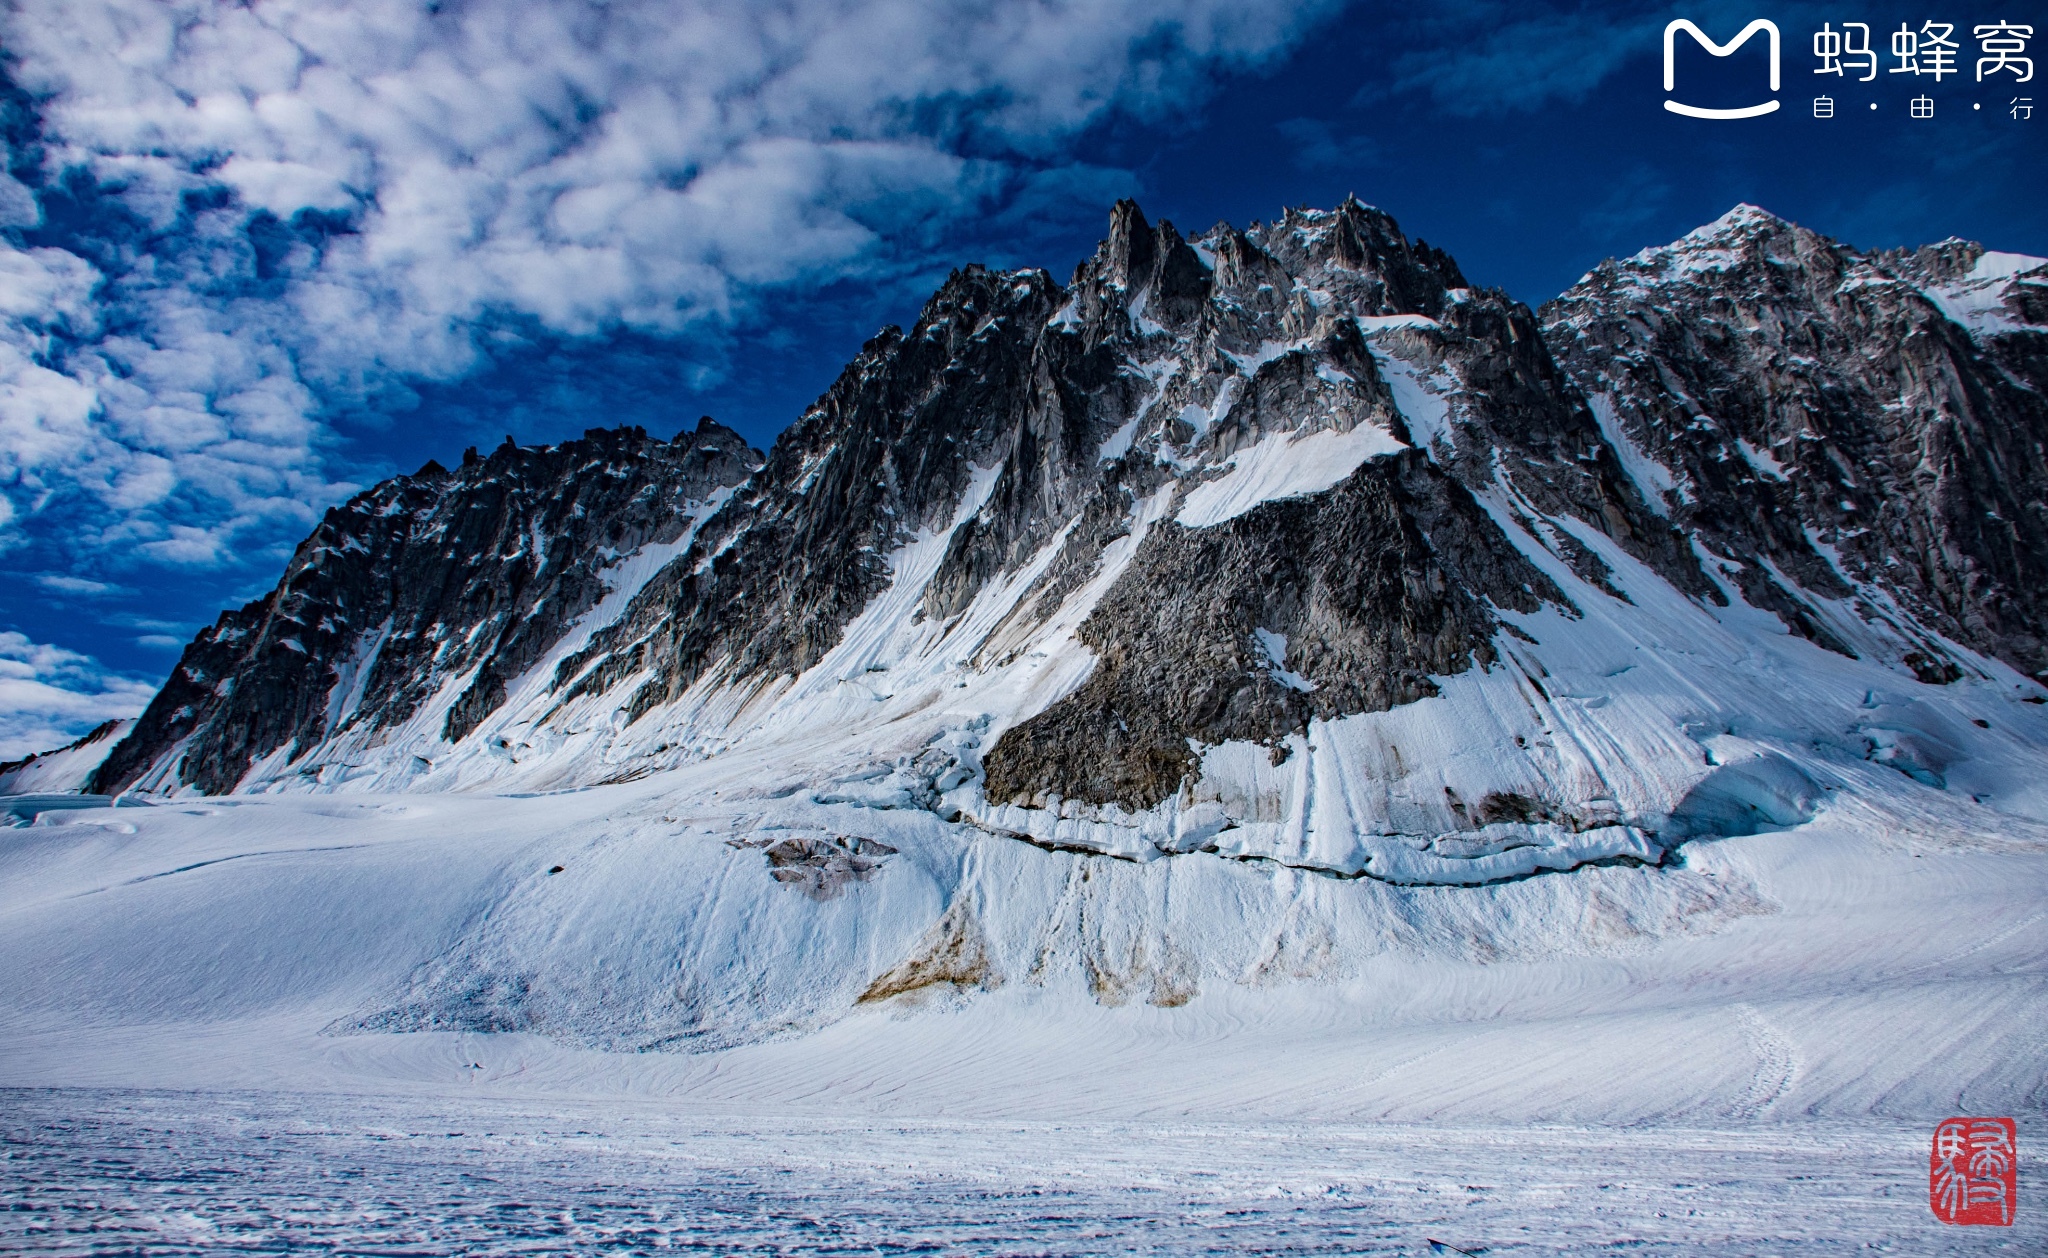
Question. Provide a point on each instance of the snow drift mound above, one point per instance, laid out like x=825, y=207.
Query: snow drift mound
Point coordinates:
x=1882, y=958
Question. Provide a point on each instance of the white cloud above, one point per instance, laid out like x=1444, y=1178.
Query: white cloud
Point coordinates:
x=78, y=587
x=293, y=205
x=284, y=188
x=586, y=164
x=188, y=412
x=50, y=696
x=18, y=206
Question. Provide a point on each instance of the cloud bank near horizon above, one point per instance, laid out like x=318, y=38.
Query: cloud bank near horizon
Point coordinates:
x=49, y=695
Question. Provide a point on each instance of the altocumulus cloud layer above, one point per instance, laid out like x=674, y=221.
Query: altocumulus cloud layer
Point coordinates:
x=223, y=225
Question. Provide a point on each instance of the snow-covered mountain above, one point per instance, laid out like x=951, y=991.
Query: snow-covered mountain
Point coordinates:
x=1863, y=433
x=1254, y=609
x=1168, y=558
x=412, y=607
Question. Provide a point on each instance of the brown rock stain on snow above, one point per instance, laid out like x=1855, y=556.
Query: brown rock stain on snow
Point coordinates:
x=954, y=953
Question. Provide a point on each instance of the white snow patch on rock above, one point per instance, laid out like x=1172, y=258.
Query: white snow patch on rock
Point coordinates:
x=1420, y=399
x=1763, y=461
x=1977, y=300
x=1284, y=465
x=1652, y=478
x=1275, y=647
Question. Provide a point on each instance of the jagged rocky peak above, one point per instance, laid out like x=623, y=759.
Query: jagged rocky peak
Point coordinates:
x=1285, y=542
x=1141, y=277
x=1740, y=226
x=1068, y=459
x=916, y=424
x=1362, y=251
x=1858, y=436
x=1327, y=344
x=1982, y=290
x=1284, y=275
x=444, y=584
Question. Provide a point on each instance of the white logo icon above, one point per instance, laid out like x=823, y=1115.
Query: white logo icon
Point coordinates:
x=1718, y=50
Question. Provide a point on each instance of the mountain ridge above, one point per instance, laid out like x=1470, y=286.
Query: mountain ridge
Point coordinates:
x=1772, y=344
x=1262, y=622
x=1131, y=564
x=361, y=630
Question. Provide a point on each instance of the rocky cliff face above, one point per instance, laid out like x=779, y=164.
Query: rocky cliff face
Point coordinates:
x=1285, y=544
x=1153, y=403
x=1861, y=427
x=428, y=591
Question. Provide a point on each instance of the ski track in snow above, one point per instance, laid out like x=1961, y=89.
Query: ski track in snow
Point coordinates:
x=1777, y=1061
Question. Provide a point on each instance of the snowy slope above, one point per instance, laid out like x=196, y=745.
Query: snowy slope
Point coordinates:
x=1881, y=924
x=1881, y=960
x=68, y=768
x=1246, y=681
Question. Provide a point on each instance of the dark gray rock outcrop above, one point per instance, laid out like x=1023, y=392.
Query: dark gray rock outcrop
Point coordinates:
x=416, y=583
x=1836, y=423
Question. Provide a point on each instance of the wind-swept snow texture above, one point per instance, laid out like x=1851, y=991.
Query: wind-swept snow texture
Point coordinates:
x=480, y=1175
x=1259, y=632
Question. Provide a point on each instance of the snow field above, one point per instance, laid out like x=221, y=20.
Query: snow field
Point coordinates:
x=468, y=1175
x=1843, y=969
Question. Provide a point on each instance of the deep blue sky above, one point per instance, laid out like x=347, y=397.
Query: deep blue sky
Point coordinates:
x=1527, y=139
x=1528, y=178
x=1528, y=182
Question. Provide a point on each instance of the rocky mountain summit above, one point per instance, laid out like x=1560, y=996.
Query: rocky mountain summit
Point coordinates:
x=1864, y=427
x=1284, y=544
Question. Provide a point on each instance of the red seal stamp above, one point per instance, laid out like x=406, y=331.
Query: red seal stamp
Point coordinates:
x=1973, y=1172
